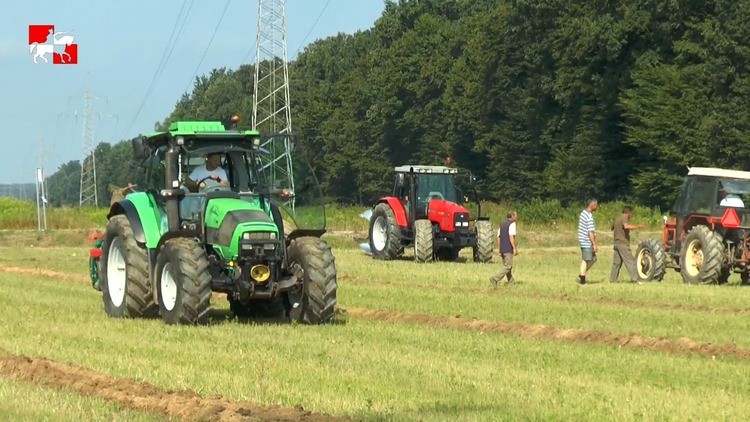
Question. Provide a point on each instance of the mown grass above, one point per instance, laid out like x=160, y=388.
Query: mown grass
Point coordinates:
x=24, y=402
x=399, y=371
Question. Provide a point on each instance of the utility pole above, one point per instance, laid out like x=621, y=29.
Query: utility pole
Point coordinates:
x=88, y=165
x=271, y=112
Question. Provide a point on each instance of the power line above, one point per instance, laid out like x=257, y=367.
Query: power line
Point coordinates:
x=218, y=24
x=312, y=27
x=162, y=63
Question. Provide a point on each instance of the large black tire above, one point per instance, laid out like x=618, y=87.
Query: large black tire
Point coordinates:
x=485, y=242
x=702, y=256
x=650, y=260
x=386, y=242
x=126, y=291
x=183, y=282
x=423, y=241
x=314, y=302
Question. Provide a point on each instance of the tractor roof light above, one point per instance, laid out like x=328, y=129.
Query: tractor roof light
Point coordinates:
x=256, y=143
x=180, y=140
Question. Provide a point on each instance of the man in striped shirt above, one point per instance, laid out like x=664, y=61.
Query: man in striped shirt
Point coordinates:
x=587, y=238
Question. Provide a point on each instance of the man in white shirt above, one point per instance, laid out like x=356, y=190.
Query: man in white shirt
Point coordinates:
x=506, y=242
x=211, y=168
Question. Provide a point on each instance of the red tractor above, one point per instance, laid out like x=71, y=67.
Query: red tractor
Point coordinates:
x=708, y=235
x=429, y=210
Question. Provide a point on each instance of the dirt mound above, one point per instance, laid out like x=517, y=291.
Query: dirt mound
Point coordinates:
x=676, y=346
x=562, y=297
x=185, y=405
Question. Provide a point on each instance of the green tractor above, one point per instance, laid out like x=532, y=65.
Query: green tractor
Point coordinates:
x=242, y=229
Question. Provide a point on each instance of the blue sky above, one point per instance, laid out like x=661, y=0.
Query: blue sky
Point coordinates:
x=121, y=42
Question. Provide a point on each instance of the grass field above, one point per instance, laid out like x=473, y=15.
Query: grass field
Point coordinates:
x=412, y=342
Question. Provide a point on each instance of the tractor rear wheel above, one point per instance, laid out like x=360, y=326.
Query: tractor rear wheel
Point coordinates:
x=423, y=241
x=702, y=256
x=314, y=301
x=385, y=241
x=125, y=285
x=183, y=282
x=650, y=260
x=485, y=243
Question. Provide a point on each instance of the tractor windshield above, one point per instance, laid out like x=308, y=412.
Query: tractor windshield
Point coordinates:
x=250, y=172
x=436, y=186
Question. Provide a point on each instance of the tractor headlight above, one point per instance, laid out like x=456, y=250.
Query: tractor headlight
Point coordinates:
x=259, y=236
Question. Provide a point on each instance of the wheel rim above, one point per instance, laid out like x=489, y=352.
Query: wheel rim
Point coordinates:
x=116, y=273
x=168, y=287
x=645, y=263
x=694, y=258
x=379, y=228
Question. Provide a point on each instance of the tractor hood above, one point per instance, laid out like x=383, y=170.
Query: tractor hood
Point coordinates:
x=228, y=218
x=446, y=208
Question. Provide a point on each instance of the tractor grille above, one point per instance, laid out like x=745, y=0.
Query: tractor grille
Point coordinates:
x=461, y=221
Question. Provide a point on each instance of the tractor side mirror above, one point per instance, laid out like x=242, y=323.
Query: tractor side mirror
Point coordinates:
x=141, y=151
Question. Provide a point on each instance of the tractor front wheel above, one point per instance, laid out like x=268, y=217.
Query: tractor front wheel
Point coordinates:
x=125, y=286
x=314, y=301
x=485, y=243
x=423, y=241
x=701, y=260
x=385, y=241
x=650, y=260
x=183, y=282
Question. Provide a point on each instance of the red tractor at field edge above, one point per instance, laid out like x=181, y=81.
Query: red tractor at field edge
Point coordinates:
x=707, y=236
x=429, y=210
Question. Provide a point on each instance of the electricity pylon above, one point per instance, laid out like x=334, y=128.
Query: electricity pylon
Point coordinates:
x=88, y=194
x=271, y=112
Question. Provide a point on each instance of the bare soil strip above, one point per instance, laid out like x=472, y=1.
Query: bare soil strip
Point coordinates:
x=184, y=405
x=543, y=332
x=561, y=297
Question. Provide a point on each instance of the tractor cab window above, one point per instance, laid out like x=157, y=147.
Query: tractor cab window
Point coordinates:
x=733, y=193
x=435, y=186
x=703, y=195
x=155, y=169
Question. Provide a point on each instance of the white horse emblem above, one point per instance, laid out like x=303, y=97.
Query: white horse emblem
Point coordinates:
x=43, y=49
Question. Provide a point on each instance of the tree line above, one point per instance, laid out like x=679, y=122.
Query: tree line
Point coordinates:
x=540, y=99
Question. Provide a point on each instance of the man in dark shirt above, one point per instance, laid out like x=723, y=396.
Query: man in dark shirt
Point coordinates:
x=622, y=252
x=507, y=245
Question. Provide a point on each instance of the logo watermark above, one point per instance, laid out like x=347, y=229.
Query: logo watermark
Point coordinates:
x=60, y=46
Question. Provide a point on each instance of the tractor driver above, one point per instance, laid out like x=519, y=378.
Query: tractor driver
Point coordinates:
x=211, y=168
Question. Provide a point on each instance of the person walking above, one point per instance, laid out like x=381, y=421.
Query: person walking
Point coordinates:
x=587, y=238
x=622, y=253
x=506, y=242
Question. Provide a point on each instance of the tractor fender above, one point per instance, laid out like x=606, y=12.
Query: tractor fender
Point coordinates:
x=142, y=214
x=399, y=211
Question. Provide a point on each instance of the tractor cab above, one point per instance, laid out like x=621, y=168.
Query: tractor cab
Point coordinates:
x=435, y=182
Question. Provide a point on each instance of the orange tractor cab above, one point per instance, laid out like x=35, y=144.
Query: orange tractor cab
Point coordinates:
x=707, y=236
x=435, y=210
